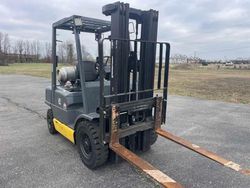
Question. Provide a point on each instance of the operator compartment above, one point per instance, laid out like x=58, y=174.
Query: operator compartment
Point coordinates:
x=68, y=93
x=69, y=80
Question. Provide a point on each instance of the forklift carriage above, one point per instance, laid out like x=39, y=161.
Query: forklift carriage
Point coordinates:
x=110, y=107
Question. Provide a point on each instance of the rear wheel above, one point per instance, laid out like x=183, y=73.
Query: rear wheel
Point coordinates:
x=50, y=122
x=92, y=152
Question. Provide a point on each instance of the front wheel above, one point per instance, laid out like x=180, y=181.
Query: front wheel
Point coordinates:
x=153, y=136
x=92, y=152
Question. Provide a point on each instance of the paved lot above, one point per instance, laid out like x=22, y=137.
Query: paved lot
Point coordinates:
x=31, y=157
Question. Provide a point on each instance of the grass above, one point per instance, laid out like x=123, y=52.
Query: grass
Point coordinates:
x=230, y=85
x=32, y=69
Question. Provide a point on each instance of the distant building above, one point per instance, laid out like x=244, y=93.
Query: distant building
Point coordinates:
x=194, y=61
x=240, y=61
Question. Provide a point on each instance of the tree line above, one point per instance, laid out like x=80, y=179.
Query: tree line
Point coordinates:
x=35, y=51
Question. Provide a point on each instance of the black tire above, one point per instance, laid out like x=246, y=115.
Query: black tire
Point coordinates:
x=153, y=137
x=92, y=152
x=50, y=122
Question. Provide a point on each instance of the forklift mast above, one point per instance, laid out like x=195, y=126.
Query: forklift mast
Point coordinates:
x=121, y=14
x=133, y=64
x=120, y=18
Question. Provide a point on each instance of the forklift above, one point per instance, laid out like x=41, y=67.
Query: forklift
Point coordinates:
x=114, y=107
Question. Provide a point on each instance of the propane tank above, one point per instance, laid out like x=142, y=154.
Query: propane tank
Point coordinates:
x=65, y=74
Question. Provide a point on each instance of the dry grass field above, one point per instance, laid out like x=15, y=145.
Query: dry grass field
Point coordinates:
x=225, y=84
x=32, y=69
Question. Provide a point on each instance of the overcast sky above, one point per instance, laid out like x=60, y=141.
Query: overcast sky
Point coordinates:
x=208, y=28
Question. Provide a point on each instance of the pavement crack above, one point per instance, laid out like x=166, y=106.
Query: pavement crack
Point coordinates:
x=23, y=107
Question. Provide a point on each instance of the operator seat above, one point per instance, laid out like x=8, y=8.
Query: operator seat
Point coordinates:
x=90, y=71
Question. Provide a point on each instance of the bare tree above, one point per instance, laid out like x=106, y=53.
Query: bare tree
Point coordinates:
x=26, y=47
x=36, y=49
x=4, y=48
x=19, y=45
x=15, y=53
x=1, y=42
x=62, y=52
x=47, y=47
x=86, y=55
x=6, y=43
x=14, y=49
x=33, y=47
x=69, y=52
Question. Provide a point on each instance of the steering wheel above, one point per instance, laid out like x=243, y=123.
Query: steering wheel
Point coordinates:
x=97, y=65
x=106, y=62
